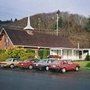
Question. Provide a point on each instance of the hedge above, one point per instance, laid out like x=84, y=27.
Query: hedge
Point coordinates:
x=22, y=53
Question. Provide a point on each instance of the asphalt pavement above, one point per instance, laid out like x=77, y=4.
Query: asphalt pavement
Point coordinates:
x=17, y=79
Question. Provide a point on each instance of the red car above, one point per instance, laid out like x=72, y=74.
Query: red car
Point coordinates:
x=26, y=64
x=64, y=65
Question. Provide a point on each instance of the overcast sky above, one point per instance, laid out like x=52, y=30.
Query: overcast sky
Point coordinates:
x=22, y=8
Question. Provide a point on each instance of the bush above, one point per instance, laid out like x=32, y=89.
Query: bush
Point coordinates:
x=43, y=53
x=3, y=56
x=22, y=53
x=87, y=57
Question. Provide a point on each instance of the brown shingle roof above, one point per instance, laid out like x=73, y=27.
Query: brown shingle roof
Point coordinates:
x=21, y=37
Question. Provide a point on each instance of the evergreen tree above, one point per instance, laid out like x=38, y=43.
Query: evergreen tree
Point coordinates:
x=15, y=20
x=87, y=57
x=60, y=23
x=87, y=27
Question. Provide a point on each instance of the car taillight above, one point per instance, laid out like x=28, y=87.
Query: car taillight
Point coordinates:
x=22, y=64
x=54, y=66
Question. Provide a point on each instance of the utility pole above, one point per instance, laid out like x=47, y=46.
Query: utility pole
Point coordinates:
x=57, y=20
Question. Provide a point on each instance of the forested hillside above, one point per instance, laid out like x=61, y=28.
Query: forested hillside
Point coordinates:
x=73, y=26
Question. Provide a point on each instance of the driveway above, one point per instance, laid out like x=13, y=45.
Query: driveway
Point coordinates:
x=17, y=79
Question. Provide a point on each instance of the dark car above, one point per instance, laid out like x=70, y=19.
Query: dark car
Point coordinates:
x=43, y=64
x=64, y=65
x=27, y=64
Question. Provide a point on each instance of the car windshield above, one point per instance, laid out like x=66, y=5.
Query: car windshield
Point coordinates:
x=57, y=61
x=9, y=59
x=42, y=60
x=51, y=60
x=70, y=62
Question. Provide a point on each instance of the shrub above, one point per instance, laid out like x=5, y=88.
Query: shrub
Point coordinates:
x=3, y=56
x=43, y=53
x=22, y=53
x=87, y=57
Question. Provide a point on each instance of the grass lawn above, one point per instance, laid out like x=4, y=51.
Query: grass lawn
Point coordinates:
x=83, y=64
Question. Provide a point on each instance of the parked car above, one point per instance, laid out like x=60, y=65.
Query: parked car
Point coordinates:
x=64, y=65
x=43, y=64
x=10, y=62
x=26, y=64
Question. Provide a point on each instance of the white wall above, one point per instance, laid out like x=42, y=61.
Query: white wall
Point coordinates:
x=72, y=54
x=66, y=53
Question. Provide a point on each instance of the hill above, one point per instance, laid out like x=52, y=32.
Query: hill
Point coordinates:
x=72, y=26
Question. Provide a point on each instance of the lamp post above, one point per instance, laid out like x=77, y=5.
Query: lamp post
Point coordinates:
x=57, y=20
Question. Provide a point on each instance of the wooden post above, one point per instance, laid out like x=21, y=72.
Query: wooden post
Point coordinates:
x=37, y=53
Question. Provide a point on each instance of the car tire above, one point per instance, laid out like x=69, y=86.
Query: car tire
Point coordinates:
x=40, y=68
x=47, y=68
x=11, y=66
x=30, y=67
x=76, y=68
x=1, y=66
x=63, y=70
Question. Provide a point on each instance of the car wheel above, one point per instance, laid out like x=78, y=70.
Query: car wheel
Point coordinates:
x=77, y=68
x=1, y=66
x=11, y=66
x=63, y=70
x=47, y=68
x=40, y=68
x=30, y=67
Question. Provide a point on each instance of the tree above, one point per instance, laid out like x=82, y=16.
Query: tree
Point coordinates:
x=15, y=20
x=11, y=20
x=87, y=57
x=61, y=23
x=87, y=26
x=22, y=53
x=43, y=53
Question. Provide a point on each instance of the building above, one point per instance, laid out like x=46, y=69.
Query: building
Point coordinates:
x=31, y=39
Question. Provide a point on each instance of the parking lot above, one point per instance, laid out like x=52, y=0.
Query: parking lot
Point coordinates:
x=24, y=79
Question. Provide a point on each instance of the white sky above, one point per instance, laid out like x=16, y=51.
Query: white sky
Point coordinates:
x=22, y=8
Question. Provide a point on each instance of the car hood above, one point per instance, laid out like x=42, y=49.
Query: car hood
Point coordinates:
x=41, y=63
x=4, y=62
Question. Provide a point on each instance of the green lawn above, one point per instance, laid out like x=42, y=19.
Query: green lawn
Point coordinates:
x=83, y=64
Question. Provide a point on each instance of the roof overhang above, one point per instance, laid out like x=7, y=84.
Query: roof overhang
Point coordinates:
x=27, y=46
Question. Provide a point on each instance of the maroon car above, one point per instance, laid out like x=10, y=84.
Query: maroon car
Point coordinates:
x=26, y=64
x=64, y=65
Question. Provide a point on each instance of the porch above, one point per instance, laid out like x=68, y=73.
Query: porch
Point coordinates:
x=70, y=53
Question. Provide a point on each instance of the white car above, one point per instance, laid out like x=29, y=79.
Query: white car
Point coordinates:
x=10, y=62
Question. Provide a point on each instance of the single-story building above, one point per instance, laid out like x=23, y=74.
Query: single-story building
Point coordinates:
x=31, y=39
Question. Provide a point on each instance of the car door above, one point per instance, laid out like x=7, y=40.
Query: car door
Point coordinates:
x=67, y=65
x=49, y=61
x=71, y=66
x=10, y=61
x=15, y=62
